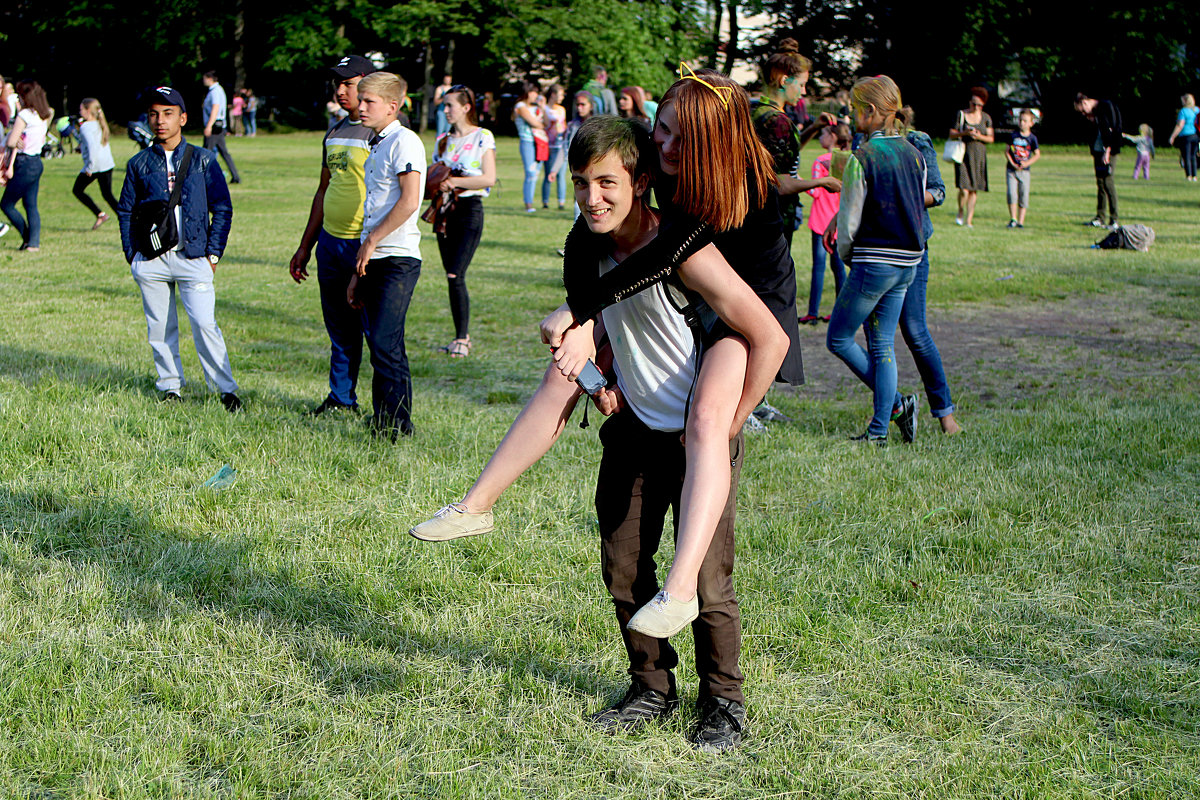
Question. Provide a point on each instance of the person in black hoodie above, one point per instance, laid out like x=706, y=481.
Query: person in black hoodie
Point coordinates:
x=1105, y=147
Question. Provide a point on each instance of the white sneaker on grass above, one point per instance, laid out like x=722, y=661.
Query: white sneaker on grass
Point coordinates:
x=664, y=616
x=453, y=522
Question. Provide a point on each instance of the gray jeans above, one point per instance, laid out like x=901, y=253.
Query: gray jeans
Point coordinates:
x=158, y=279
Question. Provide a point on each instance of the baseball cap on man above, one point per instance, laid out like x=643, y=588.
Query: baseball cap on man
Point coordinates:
x=164, y=96
x=353, y=66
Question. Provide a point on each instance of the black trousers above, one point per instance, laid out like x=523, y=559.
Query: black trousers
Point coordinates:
x=104, y=179
x=1106, y=188
x=216, y=143
x=641, y=477
x=464, y=228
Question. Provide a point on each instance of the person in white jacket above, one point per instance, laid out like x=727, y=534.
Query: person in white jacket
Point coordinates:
x=97, y=159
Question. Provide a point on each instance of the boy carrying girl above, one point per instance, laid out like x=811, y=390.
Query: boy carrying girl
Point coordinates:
x=656, y=360
x=1020, y=156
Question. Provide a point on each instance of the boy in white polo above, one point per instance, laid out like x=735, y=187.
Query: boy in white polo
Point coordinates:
x=389, y=258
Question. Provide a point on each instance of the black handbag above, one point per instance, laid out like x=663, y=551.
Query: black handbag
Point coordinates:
x=153, y=222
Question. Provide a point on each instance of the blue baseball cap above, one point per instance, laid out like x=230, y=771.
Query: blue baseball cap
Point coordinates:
x=164, y=96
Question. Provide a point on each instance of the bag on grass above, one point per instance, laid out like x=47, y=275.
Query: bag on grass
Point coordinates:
x=1129, y=237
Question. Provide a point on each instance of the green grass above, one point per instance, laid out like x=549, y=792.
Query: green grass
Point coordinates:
x=1013, y=612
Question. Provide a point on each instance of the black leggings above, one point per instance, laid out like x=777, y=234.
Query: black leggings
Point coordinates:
x=1187, y=152
x=82, y=181
x=464, y=227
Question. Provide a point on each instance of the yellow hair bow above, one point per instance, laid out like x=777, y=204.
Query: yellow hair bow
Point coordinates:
x=723, y=92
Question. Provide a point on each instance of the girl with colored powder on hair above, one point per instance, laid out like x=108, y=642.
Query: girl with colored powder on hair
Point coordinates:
x=716, y=184
x=785, y=79
x=880, y=234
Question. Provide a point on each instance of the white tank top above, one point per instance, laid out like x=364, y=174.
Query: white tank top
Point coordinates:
x=654, y=355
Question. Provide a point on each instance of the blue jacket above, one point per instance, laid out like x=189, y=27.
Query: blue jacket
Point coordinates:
x=204, y=203
x=933, y=176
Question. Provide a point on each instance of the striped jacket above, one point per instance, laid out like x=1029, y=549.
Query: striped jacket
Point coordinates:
x=882, y=211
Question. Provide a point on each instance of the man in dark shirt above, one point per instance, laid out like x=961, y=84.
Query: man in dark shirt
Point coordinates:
x=1105, y=146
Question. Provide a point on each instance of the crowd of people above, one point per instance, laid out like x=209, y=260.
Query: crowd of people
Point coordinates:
x=681, y=294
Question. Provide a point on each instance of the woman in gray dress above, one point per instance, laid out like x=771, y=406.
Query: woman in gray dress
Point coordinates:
x=974, y=127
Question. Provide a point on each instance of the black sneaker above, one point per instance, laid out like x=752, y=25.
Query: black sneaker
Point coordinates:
x=721, y=725
x=1096, y=223
x=331, y=405
x=866, y=436
x=906, y=417
x=231, y=402
x=1012, y=223
x=171, y=396
x=638, y=707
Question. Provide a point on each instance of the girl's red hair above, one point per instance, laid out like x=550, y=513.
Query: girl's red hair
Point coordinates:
x=724, y=170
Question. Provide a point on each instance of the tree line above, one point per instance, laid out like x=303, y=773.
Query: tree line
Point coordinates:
x=1142, y=56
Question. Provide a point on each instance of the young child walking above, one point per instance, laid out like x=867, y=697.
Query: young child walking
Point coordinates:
x=880, y=235
x=1144, y=142
x=1021, y=154
x=824, y=208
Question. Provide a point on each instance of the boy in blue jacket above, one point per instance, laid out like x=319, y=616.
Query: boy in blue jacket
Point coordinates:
x=201, y=218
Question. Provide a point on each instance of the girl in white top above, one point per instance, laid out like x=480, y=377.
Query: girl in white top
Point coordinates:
x=21, y=170
x=470, y=152
x=97, y=159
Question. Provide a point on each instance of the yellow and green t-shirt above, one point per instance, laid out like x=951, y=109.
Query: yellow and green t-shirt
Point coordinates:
x=344, y=154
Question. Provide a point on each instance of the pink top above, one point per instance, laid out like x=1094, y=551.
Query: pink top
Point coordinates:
x=825, y=202
x=238, y=105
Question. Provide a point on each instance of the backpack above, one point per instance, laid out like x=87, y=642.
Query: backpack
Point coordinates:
x=1129, y=237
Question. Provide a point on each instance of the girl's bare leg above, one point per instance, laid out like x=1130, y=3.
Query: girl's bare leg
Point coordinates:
x=972, y=197
x=706, y=481
x=531, y=436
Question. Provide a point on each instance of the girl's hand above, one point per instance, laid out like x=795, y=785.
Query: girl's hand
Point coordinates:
x=831, y=184
x=446, y=186
x=351, y=290
x=555, y=325
x=829, y=237
x=576, y=348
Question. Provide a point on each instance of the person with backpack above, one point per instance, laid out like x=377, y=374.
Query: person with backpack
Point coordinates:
x=175, y=215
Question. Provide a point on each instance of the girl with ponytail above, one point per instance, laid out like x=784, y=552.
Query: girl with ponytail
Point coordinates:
x=880, y=234
x=97, y=159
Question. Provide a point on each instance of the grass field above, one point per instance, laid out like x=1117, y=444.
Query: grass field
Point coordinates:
x=1013, y=612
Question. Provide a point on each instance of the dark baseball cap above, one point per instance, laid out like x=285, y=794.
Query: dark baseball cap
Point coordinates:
x=164, y=96
x=353, y=66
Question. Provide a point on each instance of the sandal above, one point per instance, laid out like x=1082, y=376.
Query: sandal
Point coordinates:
x=100, y=220
x=459, y=348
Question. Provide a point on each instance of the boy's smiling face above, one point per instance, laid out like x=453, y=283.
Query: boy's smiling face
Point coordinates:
x=606, y=192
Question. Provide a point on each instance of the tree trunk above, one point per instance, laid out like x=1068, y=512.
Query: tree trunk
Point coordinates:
x=718, y=13
x=427, y=88
x=449, y=58
x=239, y=46
x=731, y=50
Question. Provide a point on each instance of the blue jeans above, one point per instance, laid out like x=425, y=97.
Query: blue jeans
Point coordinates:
x=872, y=296
x=251, y=118
x=924, y=352
x=818, y=273
x=385, y=293
x=529, y=159
x=560, y=178
x=23, y=187
x=442, y=124
x=345, y=325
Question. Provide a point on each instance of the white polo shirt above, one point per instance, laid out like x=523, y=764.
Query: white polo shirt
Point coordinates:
x=397, y=151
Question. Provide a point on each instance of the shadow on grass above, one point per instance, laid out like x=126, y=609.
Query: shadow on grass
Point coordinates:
x=146, y=562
